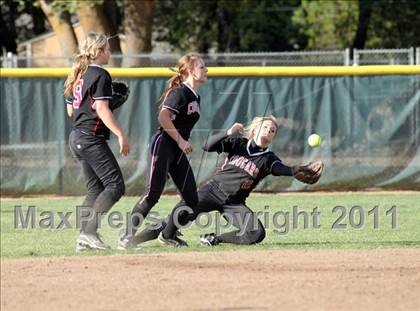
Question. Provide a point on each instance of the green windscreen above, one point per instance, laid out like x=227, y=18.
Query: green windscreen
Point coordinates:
x=370, y=126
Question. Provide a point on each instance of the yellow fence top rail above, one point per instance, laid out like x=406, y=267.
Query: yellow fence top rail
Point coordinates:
x=224, y=71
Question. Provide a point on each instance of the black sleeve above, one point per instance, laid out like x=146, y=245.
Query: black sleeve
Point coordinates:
x=174, y=101
x=220, y=143
x=102, y=87
x=279, y=169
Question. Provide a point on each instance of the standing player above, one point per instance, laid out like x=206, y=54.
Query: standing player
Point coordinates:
x=179, y=112
x=248, y=162
x=88, y=92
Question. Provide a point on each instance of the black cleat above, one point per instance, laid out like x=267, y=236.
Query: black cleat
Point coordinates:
x=209, y=239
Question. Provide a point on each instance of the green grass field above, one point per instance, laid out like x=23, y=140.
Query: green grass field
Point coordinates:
x=395, y=227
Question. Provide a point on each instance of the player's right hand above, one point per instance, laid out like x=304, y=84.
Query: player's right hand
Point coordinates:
x=124, y=145
x=185, y=146
x=237, y=128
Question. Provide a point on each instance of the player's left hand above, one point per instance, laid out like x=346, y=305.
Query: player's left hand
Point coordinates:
x=185, y=146
x=124, y=145
x=309, y=174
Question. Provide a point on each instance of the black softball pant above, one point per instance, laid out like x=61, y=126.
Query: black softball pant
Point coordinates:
x=103, y=177
x=211, y=198
x=166, y=158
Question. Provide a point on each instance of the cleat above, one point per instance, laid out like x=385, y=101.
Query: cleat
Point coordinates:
x=151, y=232
x=90, y=241
x=81, y=248
x=175, y=241
x=126, y=243
x=209, y=239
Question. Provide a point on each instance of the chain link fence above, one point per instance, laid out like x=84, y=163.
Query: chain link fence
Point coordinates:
x=385, y=57
x=314, y=58
x=408, y=56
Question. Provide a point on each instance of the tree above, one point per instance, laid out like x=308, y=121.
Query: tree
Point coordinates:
x=228, y=39
x=365, y=11
x=227, y=26
x=12, y=30
x=359, y=24
x=394, y=24
x=94, y=15
x=113, y=13
x=327, y=24
x=219, y=25
x=62, y=27
x=187, y=24
x=266, y=25
x=8, y=33
x=93, y=18
x=138, y=26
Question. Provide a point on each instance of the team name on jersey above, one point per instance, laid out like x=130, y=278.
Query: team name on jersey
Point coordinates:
x=193, y=107
x=245, y=164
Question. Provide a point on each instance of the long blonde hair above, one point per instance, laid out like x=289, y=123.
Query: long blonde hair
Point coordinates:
x=185, y=64
x=256, y=124
x=89, y=50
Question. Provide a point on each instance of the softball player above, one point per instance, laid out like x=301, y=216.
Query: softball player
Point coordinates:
x=248, y=162
x=88, y=92
x=179, y=112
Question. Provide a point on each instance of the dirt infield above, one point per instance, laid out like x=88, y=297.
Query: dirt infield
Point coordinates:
x=381, y=279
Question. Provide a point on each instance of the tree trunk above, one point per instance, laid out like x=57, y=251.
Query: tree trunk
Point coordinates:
x=365, y=11
x=61, y=25
x=113, y=14
x=38, y=18
x=93, y=18
x=227, y=36
x=138, y=27
x=8, y=34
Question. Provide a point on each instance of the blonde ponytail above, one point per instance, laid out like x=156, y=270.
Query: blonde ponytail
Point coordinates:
x=90, y=49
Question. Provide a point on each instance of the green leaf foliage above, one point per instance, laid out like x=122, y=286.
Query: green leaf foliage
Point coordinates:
x=327, y=24
x=228, y=26
x=394, y=24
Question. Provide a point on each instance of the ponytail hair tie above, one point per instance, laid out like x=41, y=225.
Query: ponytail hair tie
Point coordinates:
x=82, y=55
x=176, y=70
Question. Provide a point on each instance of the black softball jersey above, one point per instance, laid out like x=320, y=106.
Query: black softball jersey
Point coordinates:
x=245, y=166
x=184, y=103
x=94, y=84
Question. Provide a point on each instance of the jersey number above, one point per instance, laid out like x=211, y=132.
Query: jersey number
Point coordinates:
x=77, y=94
x=247, y=184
